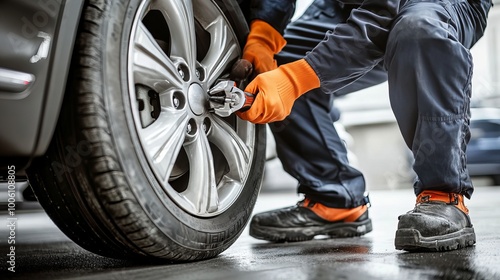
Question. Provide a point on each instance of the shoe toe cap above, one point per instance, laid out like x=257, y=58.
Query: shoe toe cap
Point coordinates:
x=434, y=219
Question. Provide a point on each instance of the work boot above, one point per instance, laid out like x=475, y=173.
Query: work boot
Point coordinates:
x=308, y=219
x=439, y=222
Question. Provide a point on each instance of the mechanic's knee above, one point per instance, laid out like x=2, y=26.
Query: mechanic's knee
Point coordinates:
x=420, y=25
x=413, y=35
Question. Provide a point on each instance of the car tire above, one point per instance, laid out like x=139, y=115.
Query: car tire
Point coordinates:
x=139, y=166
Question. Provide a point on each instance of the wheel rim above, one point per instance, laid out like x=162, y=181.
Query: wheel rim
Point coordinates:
x=178, y=50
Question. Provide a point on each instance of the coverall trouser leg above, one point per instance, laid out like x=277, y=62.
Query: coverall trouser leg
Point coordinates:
x=307, y=143
x=430, y=71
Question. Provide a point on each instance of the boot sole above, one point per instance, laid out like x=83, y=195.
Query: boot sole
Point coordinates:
x=338, y=230
x=411, y=240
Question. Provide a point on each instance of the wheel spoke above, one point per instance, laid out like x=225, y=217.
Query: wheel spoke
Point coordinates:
x=233, y=148
x=202, y=190
x=199, y=160
x=151, y=66
x=180, y=19
x=163, y=139
x=223, y=49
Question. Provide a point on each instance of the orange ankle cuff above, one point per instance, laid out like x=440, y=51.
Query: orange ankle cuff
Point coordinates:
x=450, y=198
x=335, y=214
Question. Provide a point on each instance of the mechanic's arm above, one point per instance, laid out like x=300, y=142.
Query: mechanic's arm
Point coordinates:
x=345, y=55
x=263, y=42
x=267, y=20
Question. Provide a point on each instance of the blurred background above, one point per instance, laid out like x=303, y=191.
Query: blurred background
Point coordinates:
x=370, y=131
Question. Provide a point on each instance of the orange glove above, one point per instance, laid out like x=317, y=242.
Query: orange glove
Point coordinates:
x=263, y=42
x=277, y=90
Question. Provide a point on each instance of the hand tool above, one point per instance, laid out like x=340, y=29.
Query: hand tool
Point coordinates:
x=226, y=98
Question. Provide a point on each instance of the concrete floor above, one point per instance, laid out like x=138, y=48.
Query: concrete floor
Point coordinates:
x=43, y=252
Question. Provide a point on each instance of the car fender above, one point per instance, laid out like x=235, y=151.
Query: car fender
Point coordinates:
x=38, y=39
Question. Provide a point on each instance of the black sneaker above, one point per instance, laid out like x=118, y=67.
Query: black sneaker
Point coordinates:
x=308, y=219
x=439, y=222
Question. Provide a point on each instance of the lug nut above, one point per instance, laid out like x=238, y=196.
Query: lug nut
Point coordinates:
x=177, y=102
x=199, y=72
x=181, y=73
x=189, y=128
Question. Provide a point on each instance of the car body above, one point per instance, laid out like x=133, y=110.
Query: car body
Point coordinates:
x=483, y=151
x=35, y=56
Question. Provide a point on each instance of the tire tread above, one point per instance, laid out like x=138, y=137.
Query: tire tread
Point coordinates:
x=91, y=201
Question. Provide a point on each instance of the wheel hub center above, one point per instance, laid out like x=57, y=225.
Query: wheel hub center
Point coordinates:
x=197, y=99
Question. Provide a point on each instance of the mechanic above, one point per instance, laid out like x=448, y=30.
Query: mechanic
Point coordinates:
x=337, y=47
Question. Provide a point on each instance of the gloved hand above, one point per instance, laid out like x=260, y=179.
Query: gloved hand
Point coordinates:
x=240, y=71
x=277, y=90
x=263, y=42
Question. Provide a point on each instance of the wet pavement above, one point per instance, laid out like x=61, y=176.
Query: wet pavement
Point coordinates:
x=43, y=252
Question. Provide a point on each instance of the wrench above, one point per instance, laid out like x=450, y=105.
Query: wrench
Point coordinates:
x=226, y=98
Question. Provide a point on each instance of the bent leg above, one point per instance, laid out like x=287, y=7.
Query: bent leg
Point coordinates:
x=430, y=70
x=307, y=143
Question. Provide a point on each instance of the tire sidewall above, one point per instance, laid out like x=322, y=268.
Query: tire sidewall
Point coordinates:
x=188, y=230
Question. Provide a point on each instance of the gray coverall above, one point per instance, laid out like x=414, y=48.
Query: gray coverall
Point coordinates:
x=421, y=48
